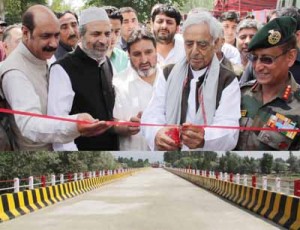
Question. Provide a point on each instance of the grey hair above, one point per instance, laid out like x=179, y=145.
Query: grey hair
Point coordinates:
x=203, y=18
x=82, y=30
x=7, y=32
x=221, y=30
x=248, y=24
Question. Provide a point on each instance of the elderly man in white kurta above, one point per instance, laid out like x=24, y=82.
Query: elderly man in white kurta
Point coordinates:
x=134, y=88
x=198, y=92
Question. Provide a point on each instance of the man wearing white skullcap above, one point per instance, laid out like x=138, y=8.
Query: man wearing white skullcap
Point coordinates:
x=82, y=81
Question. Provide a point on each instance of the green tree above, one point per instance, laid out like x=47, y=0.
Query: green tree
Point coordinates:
x=266, y=163
x=186, y=162
x=191, y=4
x=249, y=165
x=293, y=162
x=233, y=162
x=279, y=165
x=143, y=7
x=15, y=8
x=60, y=6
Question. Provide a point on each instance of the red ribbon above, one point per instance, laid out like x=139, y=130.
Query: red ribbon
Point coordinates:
x=128, y=123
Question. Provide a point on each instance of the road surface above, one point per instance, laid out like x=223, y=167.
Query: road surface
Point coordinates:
x=151, y=200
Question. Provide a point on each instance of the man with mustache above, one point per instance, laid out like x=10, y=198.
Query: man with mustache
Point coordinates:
x=165, y=25
x=246, y=29
x=24, y=84
x=134, y=87
x=69, y=33
x=271, y=101
x=198, y=91
x=82, y=81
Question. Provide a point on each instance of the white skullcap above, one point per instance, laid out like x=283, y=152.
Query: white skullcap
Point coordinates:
x=92, y=14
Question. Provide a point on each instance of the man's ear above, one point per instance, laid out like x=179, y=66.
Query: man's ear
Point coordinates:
x=298, y=38
x=26, y=33
x=5, y=46
x=216, y=41
x=291, y=57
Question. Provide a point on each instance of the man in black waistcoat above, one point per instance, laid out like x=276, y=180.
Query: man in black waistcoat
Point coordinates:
x=82, y=81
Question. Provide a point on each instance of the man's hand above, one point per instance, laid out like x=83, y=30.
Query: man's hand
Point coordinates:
x=130, y=130
x=192, y=136
x=95, y=128
x=164, y=142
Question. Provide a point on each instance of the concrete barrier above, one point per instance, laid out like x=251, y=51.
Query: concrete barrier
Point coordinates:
x=16, y=204
x=278, y=207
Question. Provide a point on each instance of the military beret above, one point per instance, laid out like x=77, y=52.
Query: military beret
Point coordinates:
x=230, y=15
x=276, y=32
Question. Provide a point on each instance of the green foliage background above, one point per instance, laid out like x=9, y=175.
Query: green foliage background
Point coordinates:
x=13, y=9
x=233, y=162
x=24, y=164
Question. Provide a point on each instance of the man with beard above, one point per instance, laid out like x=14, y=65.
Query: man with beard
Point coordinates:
x=24, y=81
x=82, y=80
x=199, y=91
x=165, y=24
x=134, y=87
x=69, y=33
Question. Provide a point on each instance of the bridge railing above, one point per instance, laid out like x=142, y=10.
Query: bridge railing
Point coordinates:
x=32, y=182
x=276, y=184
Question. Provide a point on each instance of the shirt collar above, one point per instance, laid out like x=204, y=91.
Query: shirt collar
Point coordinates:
x=256, y=88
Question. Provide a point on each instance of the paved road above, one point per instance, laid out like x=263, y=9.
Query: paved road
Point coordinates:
x=151, y=200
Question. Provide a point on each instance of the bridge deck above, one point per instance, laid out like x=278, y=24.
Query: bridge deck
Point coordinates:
x=154, y=199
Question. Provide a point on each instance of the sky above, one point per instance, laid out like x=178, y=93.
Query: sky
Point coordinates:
x=75, y=3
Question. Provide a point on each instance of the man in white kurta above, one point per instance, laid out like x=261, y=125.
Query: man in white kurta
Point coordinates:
x=24, y=81
x=174, y=101
x=165, y=25
x=134, y=88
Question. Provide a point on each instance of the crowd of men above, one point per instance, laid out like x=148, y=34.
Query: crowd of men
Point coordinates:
x=197, y=84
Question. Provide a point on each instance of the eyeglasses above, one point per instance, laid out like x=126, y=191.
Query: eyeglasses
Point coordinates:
x=267, y=60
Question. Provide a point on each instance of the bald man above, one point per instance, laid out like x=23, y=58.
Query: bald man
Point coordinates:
x=24, y=82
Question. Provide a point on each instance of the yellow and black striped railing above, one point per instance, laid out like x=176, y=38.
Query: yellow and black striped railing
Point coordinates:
x=278, y=207
x=16, y=204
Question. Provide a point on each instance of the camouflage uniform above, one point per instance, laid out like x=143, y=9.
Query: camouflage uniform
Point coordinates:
x=256, y=114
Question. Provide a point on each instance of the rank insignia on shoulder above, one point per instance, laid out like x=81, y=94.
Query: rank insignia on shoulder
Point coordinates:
x=244, y=113
x=297, y=94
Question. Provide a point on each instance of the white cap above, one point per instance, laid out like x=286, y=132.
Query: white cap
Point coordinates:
x=92, y=14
